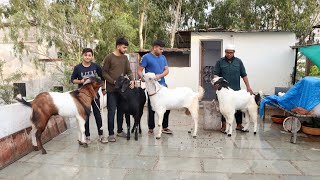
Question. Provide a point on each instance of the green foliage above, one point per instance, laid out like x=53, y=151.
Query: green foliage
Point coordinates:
x=6, y=86
x=289, y=15
x=314, y=71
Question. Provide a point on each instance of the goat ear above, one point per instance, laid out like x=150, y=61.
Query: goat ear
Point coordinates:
x=126, y=76
x=123, y=88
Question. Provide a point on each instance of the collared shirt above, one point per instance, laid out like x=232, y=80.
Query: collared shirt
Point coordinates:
x=154, y=64
x=231, y=71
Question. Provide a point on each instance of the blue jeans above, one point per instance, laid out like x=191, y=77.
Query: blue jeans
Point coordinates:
x=97, y=116
x=151, y=124
x=237, y=115
x=113, y=99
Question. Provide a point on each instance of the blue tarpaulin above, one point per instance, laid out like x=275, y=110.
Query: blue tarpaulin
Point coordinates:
x=305, y=93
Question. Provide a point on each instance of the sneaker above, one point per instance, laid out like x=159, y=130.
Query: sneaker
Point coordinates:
x=122, y=134
x=88, y=141
x=166, y=131
x=102, y=139
x=111, y=138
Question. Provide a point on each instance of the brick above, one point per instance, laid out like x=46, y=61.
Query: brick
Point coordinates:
x=22, y=143
x=6, y=151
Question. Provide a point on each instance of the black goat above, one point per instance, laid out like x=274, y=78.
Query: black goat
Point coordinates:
x=131, y=103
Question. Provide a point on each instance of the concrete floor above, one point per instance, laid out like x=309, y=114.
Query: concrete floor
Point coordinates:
x=213, y=155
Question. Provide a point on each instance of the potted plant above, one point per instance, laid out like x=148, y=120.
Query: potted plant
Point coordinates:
x=311, y=128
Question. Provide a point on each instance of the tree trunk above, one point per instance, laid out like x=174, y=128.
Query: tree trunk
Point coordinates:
x=142, y=15
x=175, y=25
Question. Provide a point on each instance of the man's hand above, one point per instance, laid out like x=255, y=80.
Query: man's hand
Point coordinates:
x=158, y=77
x=83, y=80
x=249, y=90
x=131, y=84
x=104, y=92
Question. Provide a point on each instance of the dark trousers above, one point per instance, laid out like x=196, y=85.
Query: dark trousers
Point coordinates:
x=97, y=116
x=151, y=124
x=113, y=101
x=237, y=115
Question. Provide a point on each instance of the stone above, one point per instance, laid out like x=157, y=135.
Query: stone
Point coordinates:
x=212, y=116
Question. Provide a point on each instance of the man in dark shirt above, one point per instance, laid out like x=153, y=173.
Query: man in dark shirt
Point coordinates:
x=80, y=73
x=116, y=64
x=231, y=69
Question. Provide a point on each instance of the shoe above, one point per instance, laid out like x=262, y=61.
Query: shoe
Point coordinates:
x=111, y=138
x=88, y=141
x=122, y=134
x=102, y=139
x=166, y=131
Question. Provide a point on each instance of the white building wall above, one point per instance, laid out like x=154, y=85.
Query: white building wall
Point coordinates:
x=36, y=79
x=267, y=56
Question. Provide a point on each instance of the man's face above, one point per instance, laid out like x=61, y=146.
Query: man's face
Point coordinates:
x=157, y=50
x=122, y=48
x=229, y=53
x=87, y=57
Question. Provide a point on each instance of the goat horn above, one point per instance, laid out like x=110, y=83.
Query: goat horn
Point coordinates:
x=87, y=81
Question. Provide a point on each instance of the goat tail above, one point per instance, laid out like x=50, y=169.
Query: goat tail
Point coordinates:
x=200, y=93
x=23, y=101
x=258, y=97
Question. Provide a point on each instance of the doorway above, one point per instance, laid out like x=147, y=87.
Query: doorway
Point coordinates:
x=210, y=53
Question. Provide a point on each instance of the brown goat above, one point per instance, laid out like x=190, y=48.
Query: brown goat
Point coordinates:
x=74, y=104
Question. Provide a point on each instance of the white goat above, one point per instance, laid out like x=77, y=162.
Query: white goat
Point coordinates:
x=163, y=99
x=230, y=101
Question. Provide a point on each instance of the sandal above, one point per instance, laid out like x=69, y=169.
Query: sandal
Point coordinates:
x=167, y=131
x=239, y=128
x=150, y=132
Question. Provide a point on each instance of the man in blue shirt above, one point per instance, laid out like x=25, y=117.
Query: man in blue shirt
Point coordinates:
x=231, y=69
x=156, y=63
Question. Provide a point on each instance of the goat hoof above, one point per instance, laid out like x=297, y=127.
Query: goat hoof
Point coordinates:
x=136, y=138
x=157, y=137
x=229, y=135
x=35, y=148
x=128, y=138
x=85, y=145
x=194, y=136
x=44, y=151
x=255, y=133
x=80, y=143
x=247, y=130
x=189, y=132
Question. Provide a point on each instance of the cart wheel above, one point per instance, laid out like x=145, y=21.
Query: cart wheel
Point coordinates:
x=288, y=124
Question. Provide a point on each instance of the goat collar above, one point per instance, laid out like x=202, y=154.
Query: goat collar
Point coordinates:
x=155, y=92
x=86, y=94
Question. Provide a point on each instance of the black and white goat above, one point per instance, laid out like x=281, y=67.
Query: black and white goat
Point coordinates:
x=131, y=103
x=163, y=98
x=230, y=101
x=74, y=104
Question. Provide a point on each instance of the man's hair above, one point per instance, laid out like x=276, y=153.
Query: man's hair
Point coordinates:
x=85, y=50
x=158, y=43
x=122, y=41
